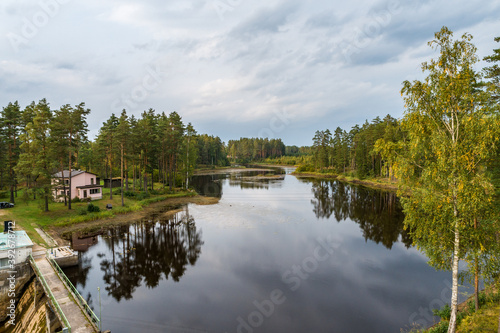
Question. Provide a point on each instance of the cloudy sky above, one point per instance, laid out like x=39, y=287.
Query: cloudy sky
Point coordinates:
x=233, y=68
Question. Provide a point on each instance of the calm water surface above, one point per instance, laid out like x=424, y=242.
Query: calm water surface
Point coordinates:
x=283, y=255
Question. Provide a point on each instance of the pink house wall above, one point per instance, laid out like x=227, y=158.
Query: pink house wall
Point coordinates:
x=82, y=179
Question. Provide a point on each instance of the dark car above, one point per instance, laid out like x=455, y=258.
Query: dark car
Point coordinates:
x=4, y=204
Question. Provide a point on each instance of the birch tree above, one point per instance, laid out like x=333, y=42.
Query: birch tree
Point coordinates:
x=450, y=133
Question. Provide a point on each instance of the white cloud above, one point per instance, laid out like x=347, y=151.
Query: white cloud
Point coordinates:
x=232, y=75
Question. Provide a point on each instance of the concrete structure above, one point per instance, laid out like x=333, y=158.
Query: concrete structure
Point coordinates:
x=64, y=256
x=73, y=313
x=14, y=245
x=84, y=185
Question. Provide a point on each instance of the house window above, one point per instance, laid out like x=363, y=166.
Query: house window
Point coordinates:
x=91, y=181
x=62, y=192
x=66, y=181
x=4, y=262
x=95, y=191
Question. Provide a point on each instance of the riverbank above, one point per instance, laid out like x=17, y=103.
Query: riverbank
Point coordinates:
x=486, y=319
x=169, y=206
x=378, y=183
x=205, y=172
x=59, y=219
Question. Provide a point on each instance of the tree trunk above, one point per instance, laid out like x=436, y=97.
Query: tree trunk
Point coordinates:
x=126, y=176
x=110, y=178
x=476, y=285
x=63, y=183
x=133, y=177
x=476, y=277
x=498, y=324
x=121, y=180
x=70, y=194
x=454, y=289
x=46, y=200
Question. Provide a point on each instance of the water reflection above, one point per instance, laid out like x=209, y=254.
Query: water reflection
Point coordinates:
x=378, y=213
x=211, y=185
x=251, y=238
x=155, y=248
x=208, y=185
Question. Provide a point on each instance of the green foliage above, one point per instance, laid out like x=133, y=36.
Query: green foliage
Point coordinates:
x=443, y=313
x=91, y=208
x=305, y=168
x=442, y=327
x=246, y=150
x=357, y=152
x=451, y=132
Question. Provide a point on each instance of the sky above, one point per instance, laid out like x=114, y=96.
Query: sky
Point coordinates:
x=233, y=68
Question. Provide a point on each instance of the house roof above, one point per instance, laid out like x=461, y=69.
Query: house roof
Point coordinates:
x=89, y=186
x=73, y=173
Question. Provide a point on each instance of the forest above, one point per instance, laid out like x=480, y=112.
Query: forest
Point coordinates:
x=37, y=141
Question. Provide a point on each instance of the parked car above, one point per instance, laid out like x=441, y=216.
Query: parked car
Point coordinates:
x=4, y=204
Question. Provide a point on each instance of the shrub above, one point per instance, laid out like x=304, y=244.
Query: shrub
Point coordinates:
x=142, y=196
x=305, y=168
x=442, y=327
x=91, y=208
x=76, y=200
x=129, y=194
x=444, y=312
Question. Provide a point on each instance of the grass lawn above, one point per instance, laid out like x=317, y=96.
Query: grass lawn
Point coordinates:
x=29, y=215
x=485, y=320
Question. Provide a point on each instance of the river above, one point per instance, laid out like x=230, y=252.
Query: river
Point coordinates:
x=274, y=255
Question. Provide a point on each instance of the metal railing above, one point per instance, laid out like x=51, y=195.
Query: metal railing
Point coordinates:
x=51, y=296
x=79, y=299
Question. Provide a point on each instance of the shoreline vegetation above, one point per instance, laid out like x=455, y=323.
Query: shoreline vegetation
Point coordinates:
x=378, y=183
x=59, y=222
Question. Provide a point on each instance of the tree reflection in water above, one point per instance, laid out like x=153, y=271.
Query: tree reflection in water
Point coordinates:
x=143, y=254
x=377, y=212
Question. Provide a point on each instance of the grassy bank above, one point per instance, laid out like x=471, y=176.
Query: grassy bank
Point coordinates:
x=379, y=183
x=28, y=215
x=468, y=319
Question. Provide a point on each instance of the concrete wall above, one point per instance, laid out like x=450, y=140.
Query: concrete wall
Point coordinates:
x=23, y=274
x=32, y=315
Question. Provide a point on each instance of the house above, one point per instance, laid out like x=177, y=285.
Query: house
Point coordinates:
x=15, y=247
x=84, y=185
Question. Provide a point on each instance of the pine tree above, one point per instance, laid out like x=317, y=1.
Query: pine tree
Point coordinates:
x=10, y=123
x=122, y=137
